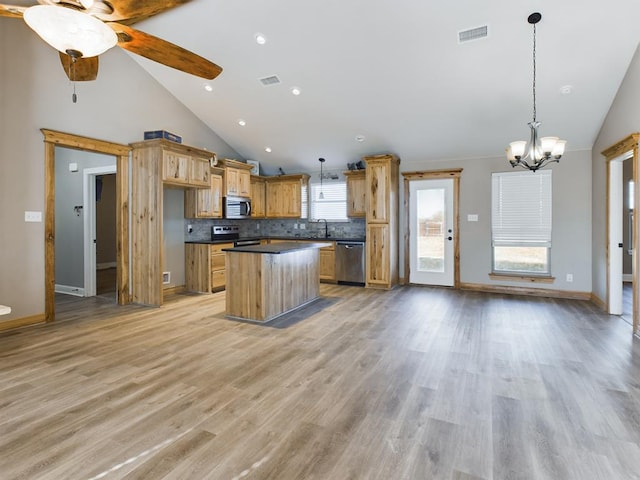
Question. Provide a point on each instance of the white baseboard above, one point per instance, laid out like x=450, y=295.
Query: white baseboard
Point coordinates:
x=68, y=290
x=627, y=277
x=105, y=265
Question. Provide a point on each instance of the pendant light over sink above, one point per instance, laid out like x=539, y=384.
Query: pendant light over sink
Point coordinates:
x=539, y=152
x=321, y=195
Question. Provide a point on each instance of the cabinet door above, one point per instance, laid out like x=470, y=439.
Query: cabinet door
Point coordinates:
x=356, y=195
x=175, y=168
x=244, y=183
x=216, y=196
x=291, y=201
x=377, y=192
x=327, y=264
x=274, y=199
x=257, y=198
x=378, y=259
x=231, y=181
x=200, y=172
x=204, y=202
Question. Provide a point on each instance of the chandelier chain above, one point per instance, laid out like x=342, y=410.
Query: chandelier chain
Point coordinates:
x=534, y=72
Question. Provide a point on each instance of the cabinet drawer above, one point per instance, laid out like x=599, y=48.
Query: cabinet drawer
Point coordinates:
x=217, y=261
x=218, y=279
x=218, y=247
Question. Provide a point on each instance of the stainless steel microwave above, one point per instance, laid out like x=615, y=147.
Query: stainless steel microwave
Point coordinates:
x=237, y=207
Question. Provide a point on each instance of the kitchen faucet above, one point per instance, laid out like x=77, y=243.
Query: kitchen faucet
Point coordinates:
x=326, y=227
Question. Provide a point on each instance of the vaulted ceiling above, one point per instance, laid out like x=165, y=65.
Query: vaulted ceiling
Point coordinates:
x=394, y=73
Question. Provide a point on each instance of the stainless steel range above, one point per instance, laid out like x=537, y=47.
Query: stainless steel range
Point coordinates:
x=231, y=233
x=225, y=232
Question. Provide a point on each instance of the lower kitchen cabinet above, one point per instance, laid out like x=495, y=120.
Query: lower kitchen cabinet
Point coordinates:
x=378, y=257
x=328, y=263
x=205, y=267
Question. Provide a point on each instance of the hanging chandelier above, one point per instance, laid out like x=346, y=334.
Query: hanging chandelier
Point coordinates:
x=540, y=151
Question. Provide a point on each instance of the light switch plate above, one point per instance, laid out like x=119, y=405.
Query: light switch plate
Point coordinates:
x=32, y=216
x=472, y=217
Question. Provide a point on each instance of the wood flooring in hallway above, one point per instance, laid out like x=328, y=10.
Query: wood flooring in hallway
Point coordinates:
x=413, y=383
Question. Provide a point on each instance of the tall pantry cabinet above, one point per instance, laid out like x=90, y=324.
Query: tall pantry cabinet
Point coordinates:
x=158, y=164
x=382, y=183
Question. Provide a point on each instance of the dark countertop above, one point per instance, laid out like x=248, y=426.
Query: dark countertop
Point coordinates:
x=277, y=248
x=293, y=239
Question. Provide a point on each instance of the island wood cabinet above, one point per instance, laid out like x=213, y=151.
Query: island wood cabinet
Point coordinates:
x=258, y=197
x=154, y=164
x=237, y=178
x=356, y=193
x=205, y=267
x=285, y=195
x=327, y=257
x=382, y=176
x=205, y=202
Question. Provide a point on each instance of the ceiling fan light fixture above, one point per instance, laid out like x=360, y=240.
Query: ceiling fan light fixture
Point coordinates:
x=66, y=29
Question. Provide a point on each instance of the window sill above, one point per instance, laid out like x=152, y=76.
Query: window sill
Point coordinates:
x=519, y=277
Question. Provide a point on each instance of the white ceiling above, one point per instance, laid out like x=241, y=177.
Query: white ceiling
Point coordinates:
x=394, y=72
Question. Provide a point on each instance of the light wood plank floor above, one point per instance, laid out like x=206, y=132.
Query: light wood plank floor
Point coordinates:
x=415, y=383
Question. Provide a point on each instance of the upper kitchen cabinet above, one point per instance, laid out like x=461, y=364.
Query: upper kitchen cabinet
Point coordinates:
x=381, y=187
x=237, y=178
x=258, y=197
x=181, y=165
x=356, y=193
x=205, y=202
x=286, y=195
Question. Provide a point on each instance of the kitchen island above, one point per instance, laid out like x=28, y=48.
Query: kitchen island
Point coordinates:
x=266, y=281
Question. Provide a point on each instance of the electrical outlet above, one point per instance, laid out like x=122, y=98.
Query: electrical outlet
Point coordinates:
x=189, y=228
x=33, y=216
x=472, y=217
x=303, y=226
x=295, y=226
x=569, y=277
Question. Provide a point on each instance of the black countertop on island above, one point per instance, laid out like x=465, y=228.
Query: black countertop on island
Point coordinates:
x=277, y=248
x=292, y=239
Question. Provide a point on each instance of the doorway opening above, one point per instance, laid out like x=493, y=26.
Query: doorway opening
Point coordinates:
x=622, y=202
x=100, y=260
x=53, y=140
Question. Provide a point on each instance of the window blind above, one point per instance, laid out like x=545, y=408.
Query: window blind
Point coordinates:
x=334, y=205
x=521, y=209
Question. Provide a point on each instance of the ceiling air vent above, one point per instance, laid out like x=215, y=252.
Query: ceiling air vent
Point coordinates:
x=270, y=80
x=473, y=34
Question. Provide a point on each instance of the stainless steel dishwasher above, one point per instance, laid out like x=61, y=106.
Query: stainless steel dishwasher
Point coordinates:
x=350, y=262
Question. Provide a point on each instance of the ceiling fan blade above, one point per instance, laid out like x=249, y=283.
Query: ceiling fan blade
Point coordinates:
x=131, y=11
x=164, y=52
x=82, y=70
x=12, y=11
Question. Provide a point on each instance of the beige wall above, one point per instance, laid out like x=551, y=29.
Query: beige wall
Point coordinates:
x=623, y=119
x=34, y=93
x=571, y=245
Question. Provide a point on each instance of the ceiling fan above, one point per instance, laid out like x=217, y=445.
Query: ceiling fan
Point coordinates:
x=83, y=29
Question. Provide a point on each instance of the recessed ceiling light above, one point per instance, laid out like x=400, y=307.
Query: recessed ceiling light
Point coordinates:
x=208, y=87
x=267, y=149
x=295, y=90
x=566, y=89
x=242, y=123
x=260, y=39
x=359, y=138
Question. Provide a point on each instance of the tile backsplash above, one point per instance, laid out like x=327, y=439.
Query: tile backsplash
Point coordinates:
x=280, y=227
